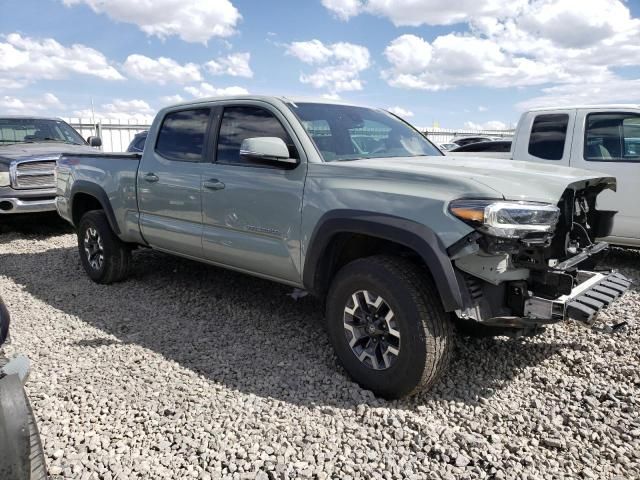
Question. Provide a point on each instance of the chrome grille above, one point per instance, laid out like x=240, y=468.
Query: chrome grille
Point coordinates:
x=34, y=174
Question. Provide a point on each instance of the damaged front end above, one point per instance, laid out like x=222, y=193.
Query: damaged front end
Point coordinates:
x=529, y=264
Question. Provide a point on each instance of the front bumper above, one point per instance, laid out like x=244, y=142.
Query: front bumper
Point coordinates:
x=595, y=292
x=27, y=201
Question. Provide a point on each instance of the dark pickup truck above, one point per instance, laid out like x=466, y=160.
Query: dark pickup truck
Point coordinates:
x=29, y=149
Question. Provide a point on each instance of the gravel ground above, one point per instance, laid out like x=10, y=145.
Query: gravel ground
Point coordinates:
x=191, y=371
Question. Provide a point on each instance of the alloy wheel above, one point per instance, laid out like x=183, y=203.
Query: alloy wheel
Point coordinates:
x=371, y=329
x=93, y=248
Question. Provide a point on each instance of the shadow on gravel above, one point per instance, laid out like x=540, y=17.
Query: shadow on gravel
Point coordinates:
x=243, y=332
x=39, y=225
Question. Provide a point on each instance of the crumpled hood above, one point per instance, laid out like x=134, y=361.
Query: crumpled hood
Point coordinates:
x=512, y=179
x=22, y=151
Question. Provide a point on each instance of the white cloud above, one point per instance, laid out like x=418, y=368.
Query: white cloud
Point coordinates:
x=482, y=108
x=548, y=43
x=208, y=90
x=338, y=65
x=424, y=12
x=47, y=103
x=344, y=9
x=171, y=99
x=401, y=112
x=24, y=60
x=490, y=125
x=160, y=70
x=614, y=90
x=191, y=20
x=235, y=64
x=453, y=60
x=123, y=110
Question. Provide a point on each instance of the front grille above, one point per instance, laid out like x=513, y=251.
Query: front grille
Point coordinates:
x=35, y=174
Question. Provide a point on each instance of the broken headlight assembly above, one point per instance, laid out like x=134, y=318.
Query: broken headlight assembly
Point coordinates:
x=527, y=221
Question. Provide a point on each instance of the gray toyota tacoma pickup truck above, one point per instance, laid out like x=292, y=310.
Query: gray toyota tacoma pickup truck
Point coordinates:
x=29, y=148
x=355, y=206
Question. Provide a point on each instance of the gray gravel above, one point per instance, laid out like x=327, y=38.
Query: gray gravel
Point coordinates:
x=190, y=371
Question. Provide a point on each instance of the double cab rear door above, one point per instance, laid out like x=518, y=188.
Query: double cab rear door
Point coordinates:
x=199, y=198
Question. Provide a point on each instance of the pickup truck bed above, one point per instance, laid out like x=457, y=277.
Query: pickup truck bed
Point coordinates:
x=82, y=173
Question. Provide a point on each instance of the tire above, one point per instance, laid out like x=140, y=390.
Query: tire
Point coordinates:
x=104, y=256
x=36, y=454
x=22, y=452
x=418, y=339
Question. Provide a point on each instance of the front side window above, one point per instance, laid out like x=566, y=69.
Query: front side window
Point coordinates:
x=182, y=135
x=612, y=137
x=343, y=132
x=548, y=136
x=240, y=123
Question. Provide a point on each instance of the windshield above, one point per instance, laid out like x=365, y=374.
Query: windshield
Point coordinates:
x=32, y=130
x=344, y=132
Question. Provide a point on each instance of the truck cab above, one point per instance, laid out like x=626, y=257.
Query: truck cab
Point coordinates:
x=602, y=138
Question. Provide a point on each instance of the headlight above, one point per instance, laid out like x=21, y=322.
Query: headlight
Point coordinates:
x=507, y=219
x=4, y=179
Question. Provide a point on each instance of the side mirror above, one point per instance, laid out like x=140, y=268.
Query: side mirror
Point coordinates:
x=94, y=141
x=270, y=149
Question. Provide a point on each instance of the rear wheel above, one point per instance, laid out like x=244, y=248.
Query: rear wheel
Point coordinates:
x=387, y=325
x=104, y=256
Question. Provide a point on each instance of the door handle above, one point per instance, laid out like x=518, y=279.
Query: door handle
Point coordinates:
x=151, y=177
x=214, y=184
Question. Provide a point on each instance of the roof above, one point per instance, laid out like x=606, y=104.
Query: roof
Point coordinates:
x=584, y=107
x=267, y=98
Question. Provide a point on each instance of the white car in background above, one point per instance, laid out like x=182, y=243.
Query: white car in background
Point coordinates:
x=604, y=138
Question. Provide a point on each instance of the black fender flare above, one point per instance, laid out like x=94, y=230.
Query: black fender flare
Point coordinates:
x=415, y=236
x=96, y=191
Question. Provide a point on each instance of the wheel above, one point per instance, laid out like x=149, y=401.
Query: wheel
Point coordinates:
x=104, y=256
x=387, y=325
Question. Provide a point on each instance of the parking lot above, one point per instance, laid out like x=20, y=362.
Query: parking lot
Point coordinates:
x=192, y=371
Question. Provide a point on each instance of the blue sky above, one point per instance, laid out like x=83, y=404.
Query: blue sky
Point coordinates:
x=456, y=63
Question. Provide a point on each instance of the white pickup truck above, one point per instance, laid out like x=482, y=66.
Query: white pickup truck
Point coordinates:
x=604, y=138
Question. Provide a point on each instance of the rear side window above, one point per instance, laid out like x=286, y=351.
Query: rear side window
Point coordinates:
x=239, y=123
x=182, y=135
x=612, y=137
x=548, y=136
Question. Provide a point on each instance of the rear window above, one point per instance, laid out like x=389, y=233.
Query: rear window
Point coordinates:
x=548, y=136
x=182, y=135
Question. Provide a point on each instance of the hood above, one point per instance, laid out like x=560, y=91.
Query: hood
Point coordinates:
x=22, y=151
x=513, y=179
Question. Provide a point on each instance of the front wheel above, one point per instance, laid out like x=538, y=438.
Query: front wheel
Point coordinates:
x=104, y=256
x=387, y=325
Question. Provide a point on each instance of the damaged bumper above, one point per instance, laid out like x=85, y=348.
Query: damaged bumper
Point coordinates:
x=595, y=292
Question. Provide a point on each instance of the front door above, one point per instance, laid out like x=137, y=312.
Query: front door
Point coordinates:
x=169, y=183
x=252, y=209
x=611, y=145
